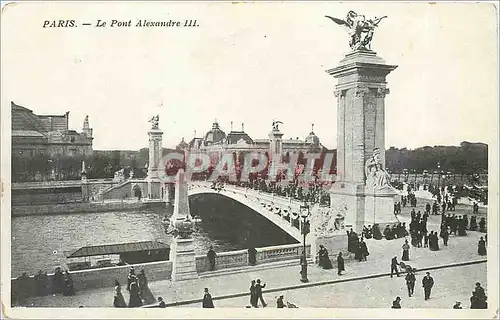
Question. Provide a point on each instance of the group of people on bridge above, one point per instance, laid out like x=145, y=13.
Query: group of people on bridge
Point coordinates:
x=139, y=292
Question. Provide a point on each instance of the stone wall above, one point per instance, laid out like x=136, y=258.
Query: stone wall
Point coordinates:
x=157, y=271
x=45, y=195
x=78, y=207
x=98, y=278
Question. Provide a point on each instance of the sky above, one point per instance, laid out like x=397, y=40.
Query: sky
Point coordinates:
x=251, y=63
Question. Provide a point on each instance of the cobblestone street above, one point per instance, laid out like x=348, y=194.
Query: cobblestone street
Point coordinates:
x=451, y=285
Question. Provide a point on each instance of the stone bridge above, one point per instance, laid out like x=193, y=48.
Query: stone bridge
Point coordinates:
x=281, y=211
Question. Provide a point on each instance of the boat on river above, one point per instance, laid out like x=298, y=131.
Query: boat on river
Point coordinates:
x=109, y=255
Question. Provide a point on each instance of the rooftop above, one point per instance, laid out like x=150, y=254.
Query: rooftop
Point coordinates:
x=118, y=248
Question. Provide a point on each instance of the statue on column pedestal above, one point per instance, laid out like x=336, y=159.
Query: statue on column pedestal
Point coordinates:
x=359, y=28
x=154, y=122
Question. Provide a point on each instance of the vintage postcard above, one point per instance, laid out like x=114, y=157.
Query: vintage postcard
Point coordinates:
x=229, y=159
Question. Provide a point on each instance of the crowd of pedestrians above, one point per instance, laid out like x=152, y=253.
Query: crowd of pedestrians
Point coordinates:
x=60, y=283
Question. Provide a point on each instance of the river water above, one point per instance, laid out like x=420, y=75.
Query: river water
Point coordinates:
x=39, y=242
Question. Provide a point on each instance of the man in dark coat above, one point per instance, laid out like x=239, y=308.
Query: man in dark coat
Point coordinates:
x=258, y=292
x=444, y=234
x=253, y=295
x=211, y=258
x=340, y=264
x=252, y=256
x=207, y=300
x=394, y=266
x=427, y=283
x=410, y=282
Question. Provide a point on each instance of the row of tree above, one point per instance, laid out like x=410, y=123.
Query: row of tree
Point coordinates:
x=467, y=158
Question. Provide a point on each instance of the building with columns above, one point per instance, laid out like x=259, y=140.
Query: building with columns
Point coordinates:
x=34, y=134
x=216, y=142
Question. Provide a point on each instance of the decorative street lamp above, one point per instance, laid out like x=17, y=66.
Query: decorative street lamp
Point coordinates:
x=304, y=214
x=439, y=174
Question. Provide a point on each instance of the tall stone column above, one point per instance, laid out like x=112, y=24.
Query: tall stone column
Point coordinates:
x=275, y=143
x=155, y=153
x=182, y=246
x=360, y=93
x=85, y=184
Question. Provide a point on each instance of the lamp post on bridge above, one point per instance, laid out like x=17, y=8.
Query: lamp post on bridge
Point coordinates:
x=304, y=214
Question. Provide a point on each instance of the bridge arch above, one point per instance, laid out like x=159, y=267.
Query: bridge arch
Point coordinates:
x=255, y=205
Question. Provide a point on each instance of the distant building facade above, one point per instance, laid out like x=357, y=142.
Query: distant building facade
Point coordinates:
x=47, y=134
x=216, y=142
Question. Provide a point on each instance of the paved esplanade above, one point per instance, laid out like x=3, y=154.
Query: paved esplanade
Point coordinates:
x=447, y=290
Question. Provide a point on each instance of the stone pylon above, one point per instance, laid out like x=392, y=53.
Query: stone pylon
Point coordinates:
x=360, y=93
x=155, y=153
x=182, y=246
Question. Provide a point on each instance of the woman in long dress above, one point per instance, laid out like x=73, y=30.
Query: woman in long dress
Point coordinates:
x=119, y=300
x=146, y=294
x=406, y=251
x=68, y=289
x=135, y=299
x=481, y=247
x=324, y=260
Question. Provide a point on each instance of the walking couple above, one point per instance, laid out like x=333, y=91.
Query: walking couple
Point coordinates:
x=256, y=294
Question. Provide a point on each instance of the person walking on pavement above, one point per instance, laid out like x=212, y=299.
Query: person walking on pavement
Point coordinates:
x=211, y=258
x=394, y=266
x=207, y=300
x=258, y=291
x=410, y=282
x=406, y=251
x=481, y=247
x=445, y=235
x=340, y=264
x=253, y=295
x=427, y=283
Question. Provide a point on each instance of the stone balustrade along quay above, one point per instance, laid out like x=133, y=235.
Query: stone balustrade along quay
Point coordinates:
x=156, y=271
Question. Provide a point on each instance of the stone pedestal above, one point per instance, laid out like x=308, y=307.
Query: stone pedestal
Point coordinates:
x=334, y=243
x=379, y=207
x=183, y=259
x=329, y=230
x=182, y=246
x=360, y=91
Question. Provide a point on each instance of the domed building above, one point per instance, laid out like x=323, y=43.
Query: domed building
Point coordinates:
x=312, y=139
x=214, y=136
x=216, y=143
x=182, y=146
